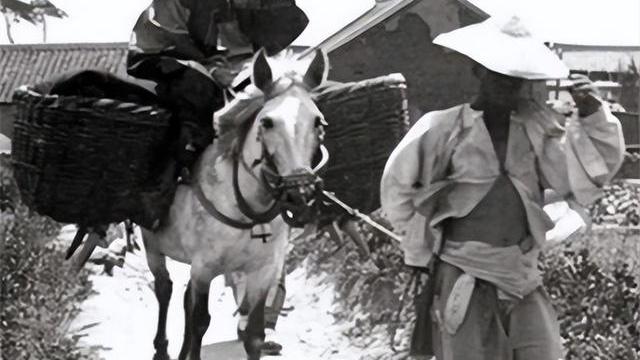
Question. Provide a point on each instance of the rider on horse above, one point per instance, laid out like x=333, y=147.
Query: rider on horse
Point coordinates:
x=193, y=49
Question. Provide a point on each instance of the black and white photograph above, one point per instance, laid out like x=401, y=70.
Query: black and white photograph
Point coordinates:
x=320, y=180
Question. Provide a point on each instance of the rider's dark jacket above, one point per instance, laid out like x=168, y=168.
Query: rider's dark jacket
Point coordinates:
x=172, y=38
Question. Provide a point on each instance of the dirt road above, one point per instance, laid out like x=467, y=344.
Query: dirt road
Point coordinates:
x=120, y=320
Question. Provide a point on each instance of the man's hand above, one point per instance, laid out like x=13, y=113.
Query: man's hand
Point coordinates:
x=223, y=76
x=220, y=70
x=585, y=95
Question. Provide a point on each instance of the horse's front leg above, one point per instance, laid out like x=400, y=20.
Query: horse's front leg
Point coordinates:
x=197, y=318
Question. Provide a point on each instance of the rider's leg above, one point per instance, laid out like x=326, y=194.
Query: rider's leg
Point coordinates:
x=275, y=302
x=258, y=284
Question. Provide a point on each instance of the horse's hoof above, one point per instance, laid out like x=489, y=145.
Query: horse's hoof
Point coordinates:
x=161, y=356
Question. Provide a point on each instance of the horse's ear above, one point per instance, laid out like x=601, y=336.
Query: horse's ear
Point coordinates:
x=318, y=70
x=262, y=76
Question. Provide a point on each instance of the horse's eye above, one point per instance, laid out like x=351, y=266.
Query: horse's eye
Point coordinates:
x=320, y=121
x=266, y=123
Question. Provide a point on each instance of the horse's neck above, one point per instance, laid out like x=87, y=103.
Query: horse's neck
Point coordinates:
x=215, y=174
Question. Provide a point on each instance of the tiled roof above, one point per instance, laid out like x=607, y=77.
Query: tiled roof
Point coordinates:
x=29, y=64
x=610, y=61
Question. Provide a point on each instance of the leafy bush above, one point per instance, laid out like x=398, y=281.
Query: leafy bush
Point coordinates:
x=593, y=282
x=596, y=295
x=598, y=312
x=376, y=299
x=620, y=205
x=39, y=293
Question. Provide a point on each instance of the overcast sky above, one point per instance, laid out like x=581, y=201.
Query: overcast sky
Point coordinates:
x=112, y=20
x=586, y=22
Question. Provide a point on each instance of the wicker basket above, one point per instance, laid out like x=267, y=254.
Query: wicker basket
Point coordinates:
x=83, y=160
x=367, y=119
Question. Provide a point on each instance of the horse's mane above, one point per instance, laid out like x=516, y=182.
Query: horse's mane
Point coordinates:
x=232, y=134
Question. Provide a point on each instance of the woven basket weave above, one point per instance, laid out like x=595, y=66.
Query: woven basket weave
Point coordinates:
x=83, y=160
x=367, y=119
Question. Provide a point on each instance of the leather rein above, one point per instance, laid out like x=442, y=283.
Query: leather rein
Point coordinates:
x=256, y=218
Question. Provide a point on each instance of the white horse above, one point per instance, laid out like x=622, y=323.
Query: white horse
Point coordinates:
x=210, y=222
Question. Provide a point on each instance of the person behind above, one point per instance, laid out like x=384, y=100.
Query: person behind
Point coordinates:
x=465, y=188
x=273, y=308
x=193, y=49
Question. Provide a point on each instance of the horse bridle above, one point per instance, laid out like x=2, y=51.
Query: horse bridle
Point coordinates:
x=308, y=183
x=277, y=186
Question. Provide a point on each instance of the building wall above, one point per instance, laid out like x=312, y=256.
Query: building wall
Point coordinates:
x=437, y=78
x=630, y=92
x=7, y=114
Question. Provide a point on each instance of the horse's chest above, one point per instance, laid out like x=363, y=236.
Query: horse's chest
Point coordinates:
x=194, y=234
x=229, y=248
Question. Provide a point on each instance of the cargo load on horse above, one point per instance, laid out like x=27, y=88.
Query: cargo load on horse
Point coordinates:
x=92, y=149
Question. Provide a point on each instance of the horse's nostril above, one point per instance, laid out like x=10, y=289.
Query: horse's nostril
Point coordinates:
x=296, y=196
x=266, y=123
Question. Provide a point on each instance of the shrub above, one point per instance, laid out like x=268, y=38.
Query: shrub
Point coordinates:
x=597, y=303
x=593, y=283
x=620, y=205
x=39, y=292
x=377, y=299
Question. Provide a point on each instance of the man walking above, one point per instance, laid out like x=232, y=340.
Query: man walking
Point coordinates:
x=465, y=187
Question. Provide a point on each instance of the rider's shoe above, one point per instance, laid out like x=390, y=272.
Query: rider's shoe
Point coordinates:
x=269, y=346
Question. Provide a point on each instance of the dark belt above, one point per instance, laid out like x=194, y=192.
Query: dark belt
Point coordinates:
x=496, y=242
x=525, y=243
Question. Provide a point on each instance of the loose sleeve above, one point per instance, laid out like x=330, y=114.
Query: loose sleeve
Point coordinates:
x=595, y=151
x=417, y=162
x=411, y=174
x=161, y=34
x=575, y=161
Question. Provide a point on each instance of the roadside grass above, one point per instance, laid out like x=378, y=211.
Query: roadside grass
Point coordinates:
x=592, y=279
x=39, y=292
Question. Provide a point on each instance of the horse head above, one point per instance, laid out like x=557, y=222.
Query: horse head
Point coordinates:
x=288, y=131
